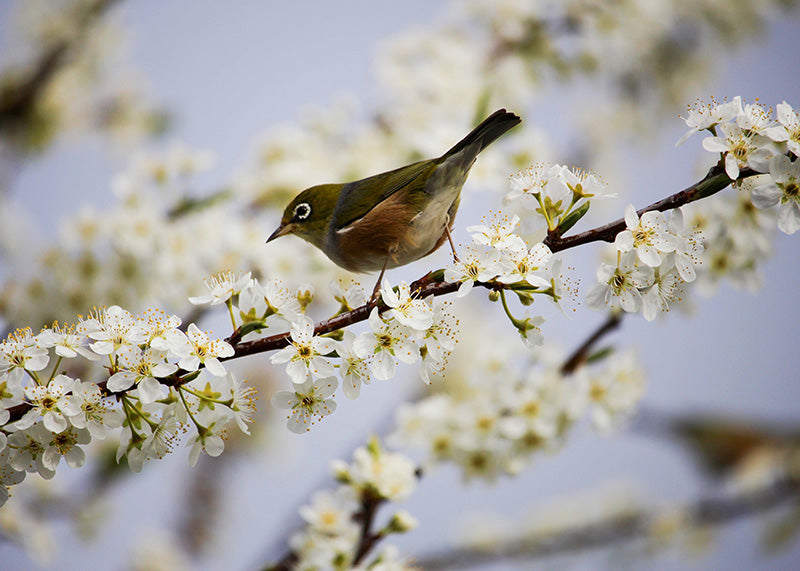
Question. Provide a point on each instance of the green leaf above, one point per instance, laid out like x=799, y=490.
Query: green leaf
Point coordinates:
x=251, y=326
x=337, y=335
x=572, y=218
x=600, y=354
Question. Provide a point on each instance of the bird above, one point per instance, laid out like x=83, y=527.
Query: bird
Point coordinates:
x=393, y=218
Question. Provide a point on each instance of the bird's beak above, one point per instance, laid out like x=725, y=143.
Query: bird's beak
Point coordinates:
x=280, y=231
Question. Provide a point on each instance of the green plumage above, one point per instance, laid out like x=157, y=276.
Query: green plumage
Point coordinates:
x=359, y=197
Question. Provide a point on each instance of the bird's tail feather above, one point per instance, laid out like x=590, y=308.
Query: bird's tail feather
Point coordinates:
x=487, y=131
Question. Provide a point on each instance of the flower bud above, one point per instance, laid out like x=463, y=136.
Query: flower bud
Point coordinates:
x=305, y=295
x=341, y=471
x=401, y=522
x=525, y=298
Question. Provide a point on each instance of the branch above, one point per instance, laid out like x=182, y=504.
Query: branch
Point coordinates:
x=18, y=101
x=433, y=282
x=423, y=287
x=715, y=180
x=369, y=507
x=616, y=529
x=581, y=354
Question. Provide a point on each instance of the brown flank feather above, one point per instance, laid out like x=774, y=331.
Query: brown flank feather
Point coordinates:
x=377, y=234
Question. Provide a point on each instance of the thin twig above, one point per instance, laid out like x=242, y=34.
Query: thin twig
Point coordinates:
x=368, y=539
x=579, y=356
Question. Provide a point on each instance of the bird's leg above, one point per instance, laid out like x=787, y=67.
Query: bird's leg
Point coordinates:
x=376, y=291
x=450, y=239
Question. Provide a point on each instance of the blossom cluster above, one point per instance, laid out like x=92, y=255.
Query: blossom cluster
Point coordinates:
x=333, y=535
x=498, y=254
x=656, y=256
x=559, y=194
x=483, y=52
x=165, y=379
x=738, y=239
x=410, y=330
x=747, y=136
x=504, y=416
x=151, y=248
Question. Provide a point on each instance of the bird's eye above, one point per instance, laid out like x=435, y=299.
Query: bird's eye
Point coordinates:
x=301, y=211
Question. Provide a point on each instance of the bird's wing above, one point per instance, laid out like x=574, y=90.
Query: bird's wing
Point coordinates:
x=360, y=196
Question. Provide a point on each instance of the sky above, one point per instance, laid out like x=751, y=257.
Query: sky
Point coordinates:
x=231, y=71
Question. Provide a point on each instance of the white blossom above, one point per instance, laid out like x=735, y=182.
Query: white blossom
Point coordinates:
x=20, y=352
x=52, y=403
x=209, y=440
x=688, y=242
x=354, y=369
x=741, y=148
x=306, y=354
x=584, y=184
x=308, y=402
x=476, y=263
x=619, y=286
x=705, y=116
x=94, y=414
x=392, y=476
x=64, y=444
x=537, y=182
x=116, y=328
x=498, y=234
x=647, y=235
x=196, y=348
x=409, y=311
x=783, y=189
x=788, y=130
x=385, y=343
x=659, y=295
x=221, y=288
x=615, y=392
x=531, y=266
x=331, y=513
x=142, y=368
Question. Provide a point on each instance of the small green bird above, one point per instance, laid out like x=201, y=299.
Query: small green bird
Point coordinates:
x=393, y=218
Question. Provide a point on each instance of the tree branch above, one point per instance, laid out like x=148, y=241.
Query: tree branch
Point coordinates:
x=17, y=101
x=715, y=180
x=579, y=356
x=433, y=282
x=617, y=529
x=368, y=539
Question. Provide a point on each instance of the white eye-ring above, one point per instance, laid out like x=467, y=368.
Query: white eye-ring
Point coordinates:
x=301, y=211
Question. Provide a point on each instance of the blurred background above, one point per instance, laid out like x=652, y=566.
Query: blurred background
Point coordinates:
x=253, y=101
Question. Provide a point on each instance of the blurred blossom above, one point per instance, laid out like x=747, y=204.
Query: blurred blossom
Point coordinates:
x=500, y=419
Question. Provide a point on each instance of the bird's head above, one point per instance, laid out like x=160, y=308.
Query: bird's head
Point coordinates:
x=309, y=214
